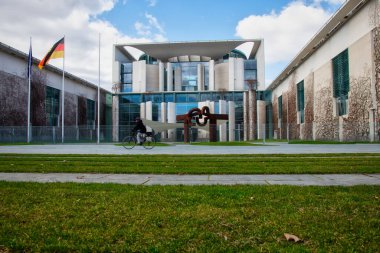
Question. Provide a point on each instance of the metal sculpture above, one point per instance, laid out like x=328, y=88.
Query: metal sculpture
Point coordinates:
x=201, y=118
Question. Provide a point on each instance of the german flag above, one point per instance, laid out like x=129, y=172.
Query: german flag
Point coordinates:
x=55, y=52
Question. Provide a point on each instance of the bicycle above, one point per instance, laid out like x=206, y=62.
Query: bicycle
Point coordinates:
x=148, y=140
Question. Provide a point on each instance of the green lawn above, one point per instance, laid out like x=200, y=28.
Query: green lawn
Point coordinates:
x=104, y=217
x=193, y=164
x=226, y=143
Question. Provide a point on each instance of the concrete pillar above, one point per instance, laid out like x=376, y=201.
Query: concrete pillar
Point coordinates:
x=161, y=76
x=142, y=111
x=139, y=76
x=148, y=113
x=201, y=74
x=211, y=75
x=261, y=119
x=171, y=119
x=164, y=134
x=178, y=79
x=115, y=118
x=223, y=127
x=231, y=121
x=169, y=69
x=245, y=115
x=231, y=74
x=252, y=114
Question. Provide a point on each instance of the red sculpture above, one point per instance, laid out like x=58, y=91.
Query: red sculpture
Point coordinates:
x=198, y=115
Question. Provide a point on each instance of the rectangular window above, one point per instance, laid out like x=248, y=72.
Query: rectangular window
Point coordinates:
x=250, y=73
x=301, y=101
x=90, y=113
x=341, y=81
x=52, y=101
x=126, y=77
x=280, y=107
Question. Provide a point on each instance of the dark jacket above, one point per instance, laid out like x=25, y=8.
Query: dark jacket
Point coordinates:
x=139, y=127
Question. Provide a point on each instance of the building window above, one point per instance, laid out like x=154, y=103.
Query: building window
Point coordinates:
x=90, y=113
x=280, y=108
x=126, y=77
x=52, y=100
x=250, y=73
x=341, y=81
x=301, y=101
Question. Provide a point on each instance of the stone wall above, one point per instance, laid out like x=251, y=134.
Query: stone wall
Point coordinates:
x=13, y=100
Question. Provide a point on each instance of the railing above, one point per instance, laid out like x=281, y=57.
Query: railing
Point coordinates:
x=329, y=131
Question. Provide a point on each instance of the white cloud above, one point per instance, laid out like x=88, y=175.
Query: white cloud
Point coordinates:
x=152, y=29
x=152, y=3
x=287, y=32
x=47, y=21
x=330, y=2
x=142, y=29
x=154, y=22
x=284, y=33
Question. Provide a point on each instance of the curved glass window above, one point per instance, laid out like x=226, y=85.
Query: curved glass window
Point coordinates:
x=148, y=59
x=235, y=54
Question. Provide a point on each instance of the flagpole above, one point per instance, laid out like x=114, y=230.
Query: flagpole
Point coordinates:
x=29, y=88
x=98, y=132
x=63, y=92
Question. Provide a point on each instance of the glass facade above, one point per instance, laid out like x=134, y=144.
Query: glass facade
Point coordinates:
x=52, y=101
x=189, y=74
x=126, y=77
x=250, y=72
x=90, y=113
x=129, y=105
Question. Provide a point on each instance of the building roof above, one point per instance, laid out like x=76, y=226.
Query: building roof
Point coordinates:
x=167, y=50
x=347, y=11
x=17, y=53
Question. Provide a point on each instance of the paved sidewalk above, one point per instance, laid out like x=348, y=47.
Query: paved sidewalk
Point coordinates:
x=269, y=148
x=153, y=179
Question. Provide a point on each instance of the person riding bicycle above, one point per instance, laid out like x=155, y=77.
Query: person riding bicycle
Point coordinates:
x=139, y=130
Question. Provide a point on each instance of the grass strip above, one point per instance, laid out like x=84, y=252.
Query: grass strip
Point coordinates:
x=193, y=164
x=106, y=217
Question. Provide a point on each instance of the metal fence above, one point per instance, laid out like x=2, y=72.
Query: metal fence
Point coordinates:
x=332, y=131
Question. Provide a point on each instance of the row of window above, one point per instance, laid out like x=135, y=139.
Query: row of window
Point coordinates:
x=341, y=87
x=182, y=97
x=52, y=107
x=129, y=111
x=188, y=75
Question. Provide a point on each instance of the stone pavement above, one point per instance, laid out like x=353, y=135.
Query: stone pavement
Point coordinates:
x=269, y=148
x=154, y=179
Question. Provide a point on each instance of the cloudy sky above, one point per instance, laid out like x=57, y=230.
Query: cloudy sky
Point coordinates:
x=285, y=25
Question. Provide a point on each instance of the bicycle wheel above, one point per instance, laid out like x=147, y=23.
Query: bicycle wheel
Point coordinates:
x=149, y=142
x=129, y=142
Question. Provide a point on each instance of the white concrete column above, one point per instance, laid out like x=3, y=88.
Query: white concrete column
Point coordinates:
x=261, y=119
x=148, y=110
x=163, y=119
x=211, y=75
x=231, y=74
x=142, y=111
x=223, y=127
x=200, y=78
x=161, y=76
x=148, y=113
x=178, y=79
x=171, y=119
x=231, y=121
x=139, y=76
x=169, y=82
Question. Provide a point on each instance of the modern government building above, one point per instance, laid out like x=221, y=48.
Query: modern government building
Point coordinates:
x=329, y=91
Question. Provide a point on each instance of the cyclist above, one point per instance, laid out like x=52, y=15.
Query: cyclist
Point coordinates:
x=140, y=130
